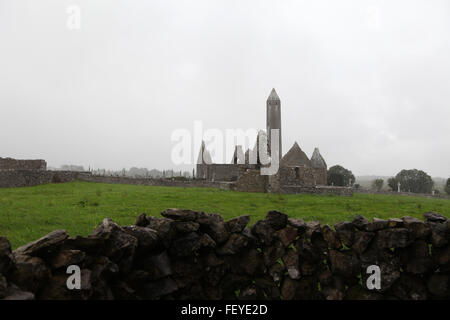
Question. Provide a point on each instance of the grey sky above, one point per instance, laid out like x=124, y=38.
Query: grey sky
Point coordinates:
x=367, y=82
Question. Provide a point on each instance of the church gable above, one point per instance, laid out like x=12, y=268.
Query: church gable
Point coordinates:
x=295, y=157
x=204, y=157
x=317, y=160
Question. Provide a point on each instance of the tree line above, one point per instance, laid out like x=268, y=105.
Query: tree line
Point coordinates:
x=412, y=180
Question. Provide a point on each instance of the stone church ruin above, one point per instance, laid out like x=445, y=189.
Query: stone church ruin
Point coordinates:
x=296, y=174
x=295, y=171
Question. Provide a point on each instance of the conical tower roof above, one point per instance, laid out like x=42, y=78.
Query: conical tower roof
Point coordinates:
x=273, y=96
x=295, y=157
x=317, y=160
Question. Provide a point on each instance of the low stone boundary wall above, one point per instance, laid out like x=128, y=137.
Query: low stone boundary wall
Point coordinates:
x=395, y=193
x=251, y=181
x=195, y=255
x=322, y=190
x=152, y=182
x=27, y=178
x=14, y=164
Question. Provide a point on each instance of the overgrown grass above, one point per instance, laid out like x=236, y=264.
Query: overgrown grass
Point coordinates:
x=29, y=213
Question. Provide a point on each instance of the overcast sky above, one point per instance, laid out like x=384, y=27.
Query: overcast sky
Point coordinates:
x=367, y=82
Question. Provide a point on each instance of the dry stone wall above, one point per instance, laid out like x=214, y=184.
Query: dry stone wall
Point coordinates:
x=27, y=178
x=14, y=164
x=248, y=179
x=320, y=190
x=302, y=176
x=154, y=182
x=252, y=181
x=188, y=254
x=222, y=172
x=412, y=194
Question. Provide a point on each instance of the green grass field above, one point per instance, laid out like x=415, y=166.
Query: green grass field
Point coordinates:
x=29, y=213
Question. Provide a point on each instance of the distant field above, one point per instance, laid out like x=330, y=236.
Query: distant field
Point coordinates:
x=29, y=213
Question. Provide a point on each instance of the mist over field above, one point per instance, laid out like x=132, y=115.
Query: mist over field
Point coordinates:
x=365, y=81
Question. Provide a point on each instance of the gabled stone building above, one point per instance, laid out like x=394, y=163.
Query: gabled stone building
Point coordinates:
x=297, y=173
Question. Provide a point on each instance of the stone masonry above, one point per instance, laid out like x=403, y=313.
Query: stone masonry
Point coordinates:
x=9, y=164
x=189, y=254
x=297, y=172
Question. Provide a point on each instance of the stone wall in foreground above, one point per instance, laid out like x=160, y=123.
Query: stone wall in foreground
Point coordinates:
x=195, y=255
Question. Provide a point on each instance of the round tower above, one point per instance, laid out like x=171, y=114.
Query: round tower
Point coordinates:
x=273, y=121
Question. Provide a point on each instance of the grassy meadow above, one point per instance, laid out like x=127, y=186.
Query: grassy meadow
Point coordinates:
x=31, y=212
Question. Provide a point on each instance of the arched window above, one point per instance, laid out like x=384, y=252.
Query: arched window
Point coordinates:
x=297, y=172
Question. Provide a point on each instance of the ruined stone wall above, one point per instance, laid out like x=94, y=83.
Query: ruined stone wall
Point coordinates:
x=302, y=176
x=221, y=172
x=14, y=164
x=201, y=171
x=287, y=181
x=252, y=181
x=395, y=193
x=154, y=182
x=321, y=190
x=195, y=255
x=321, y=176
x=273, y=184
x=28, y=178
